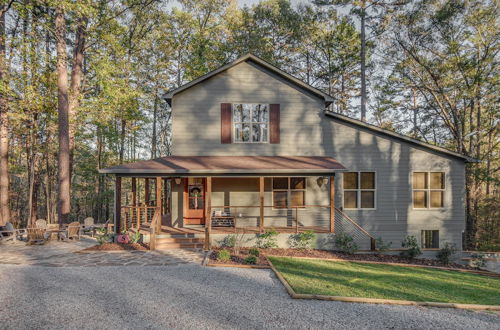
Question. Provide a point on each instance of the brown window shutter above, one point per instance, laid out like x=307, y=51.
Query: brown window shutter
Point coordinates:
x=225, y=123
x=274, y=118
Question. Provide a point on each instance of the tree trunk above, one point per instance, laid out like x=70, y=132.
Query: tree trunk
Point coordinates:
x=4, y=127
x=122, y=140
x=154, y=138
x=63, y=200
x=363, y=62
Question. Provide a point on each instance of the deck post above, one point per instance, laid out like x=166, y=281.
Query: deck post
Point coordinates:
x=261, y=203
x=208, y=213
x=158, y=202
x=118, y=204
x=332, y=204
x=134, y=204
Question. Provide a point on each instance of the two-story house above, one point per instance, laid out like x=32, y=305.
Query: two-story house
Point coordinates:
x=254, y=148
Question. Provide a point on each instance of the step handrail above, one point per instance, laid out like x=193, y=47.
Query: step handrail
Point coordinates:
x=372, y=239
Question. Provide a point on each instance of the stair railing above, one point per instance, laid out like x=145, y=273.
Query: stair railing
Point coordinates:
x=344, y=224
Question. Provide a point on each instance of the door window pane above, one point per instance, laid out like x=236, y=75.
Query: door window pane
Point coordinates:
x=420, y=199
x=351, y=180
x=367, y=199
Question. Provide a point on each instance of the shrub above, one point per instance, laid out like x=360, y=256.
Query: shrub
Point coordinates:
x=103, y=236
x=268, y=239
x=251, y=260
x=478, y=260
x=254, y=252
x=412, y=248
x=224, y=255
x=302, y=240
x=229, y=241
x=382, y=246
x=135, y=237
x=345, y=243
x=445, y=253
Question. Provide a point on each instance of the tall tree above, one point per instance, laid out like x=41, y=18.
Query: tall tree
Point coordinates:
x=64, y=199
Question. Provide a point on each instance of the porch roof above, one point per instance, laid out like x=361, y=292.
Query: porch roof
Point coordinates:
x=229, y=165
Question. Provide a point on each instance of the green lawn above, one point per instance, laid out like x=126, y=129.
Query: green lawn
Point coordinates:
x=354, y=279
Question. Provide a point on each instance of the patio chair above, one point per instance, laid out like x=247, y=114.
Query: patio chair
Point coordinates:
x=73, y=230
x=36, y=235
x=88, y=226
x=9, y=233
x=41, y=223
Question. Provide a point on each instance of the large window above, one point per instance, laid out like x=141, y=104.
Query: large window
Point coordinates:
x=430, y=239
x=428, y=190
x=289, y=192
x=251, y=123
x=359, y=190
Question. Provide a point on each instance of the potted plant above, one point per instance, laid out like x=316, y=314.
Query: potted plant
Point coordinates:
x=123, y=238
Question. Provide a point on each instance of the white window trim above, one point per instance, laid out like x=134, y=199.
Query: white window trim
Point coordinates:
x=233, y=124
x=428, y=207
x=288, y=197
x=359, y=191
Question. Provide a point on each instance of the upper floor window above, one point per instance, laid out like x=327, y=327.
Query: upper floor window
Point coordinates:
x=359, y=190
x=428, y=190
x=289, y=192
x=251, y=123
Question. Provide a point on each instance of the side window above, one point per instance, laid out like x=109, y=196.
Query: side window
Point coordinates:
x=359, y=190
x=428, y=189
x=430, y=239
x=289, y=192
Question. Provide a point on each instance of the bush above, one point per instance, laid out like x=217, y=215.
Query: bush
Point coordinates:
x=445, y=253
x=224, y=255
x=382, y=246
x=254, y=252
x=103, y=236
x=302, y=240
x=135, y=237
x=478, y=260
x=268, y=239
x=345, y=243
x=412, y=249
x=251, y=260
x=228, y=242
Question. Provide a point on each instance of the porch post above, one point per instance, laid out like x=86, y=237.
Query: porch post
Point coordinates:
x=332, y=204
x=208, y=213
x=118, y=204
x=261, y=203
x=158, y=202
x=134, y=204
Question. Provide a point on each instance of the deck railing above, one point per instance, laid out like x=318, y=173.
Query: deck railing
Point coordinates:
x=134, y=216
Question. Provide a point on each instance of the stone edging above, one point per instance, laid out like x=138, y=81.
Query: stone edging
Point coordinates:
x=477, y=272
x=295, y=295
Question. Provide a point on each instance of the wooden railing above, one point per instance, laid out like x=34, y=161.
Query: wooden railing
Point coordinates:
x=155, y=228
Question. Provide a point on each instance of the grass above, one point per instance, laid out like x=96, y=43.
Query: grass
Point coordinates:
x=355, y=279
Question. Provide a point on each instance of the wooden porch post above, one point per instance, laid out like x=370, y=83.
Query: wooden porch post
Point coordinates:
x=118, y=204
x=332, y=204
x=208, y=213
x=134, y=204
x=261, y=203
x=158, y=202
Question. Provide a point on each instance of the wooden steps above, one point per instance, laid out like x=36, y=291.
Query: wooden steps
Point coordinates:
x=178, y=241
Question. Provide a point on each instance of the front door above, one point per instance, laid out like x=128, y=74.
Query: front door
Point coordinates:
x=194, y=201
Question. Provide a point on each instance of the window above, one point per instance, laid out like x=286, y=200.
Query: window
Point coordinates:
x=430, y=239
x=289, y=192
x=428, y=190
x=251, y=123
x=359, y=190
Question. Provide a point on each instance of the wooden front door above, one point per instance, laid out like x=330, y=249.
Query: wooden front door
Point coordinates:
x=194, y=201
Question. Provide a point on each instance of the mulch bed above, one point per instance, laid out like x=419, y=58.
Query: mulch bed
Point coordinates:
x=324, y=254
x=118, y=247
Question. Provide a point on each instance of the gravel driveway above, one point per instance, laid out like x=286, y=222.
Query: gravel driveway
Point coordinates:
x=193, y=297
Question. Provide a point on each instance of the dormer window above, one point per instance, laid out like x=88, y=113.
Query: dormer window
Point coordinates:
x=251, y=123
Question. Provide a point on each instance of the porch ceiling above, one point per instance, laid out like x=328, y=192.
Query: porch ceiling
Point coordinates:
x=229, y=165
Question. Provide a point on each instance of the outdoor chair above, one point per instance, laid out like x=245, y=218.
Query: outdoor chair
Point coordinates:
x=36, y=235
x=88, y=226
x=73, y=230
x=9, y=233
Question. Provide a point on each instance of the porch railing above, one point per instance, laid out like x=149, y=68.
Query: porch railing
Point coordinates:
x=134, y=216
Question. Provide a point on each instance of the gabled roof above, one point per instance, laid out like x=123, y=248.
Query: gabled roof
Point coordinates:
x=230, y=165
x=250, y=57
x=398, y=136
